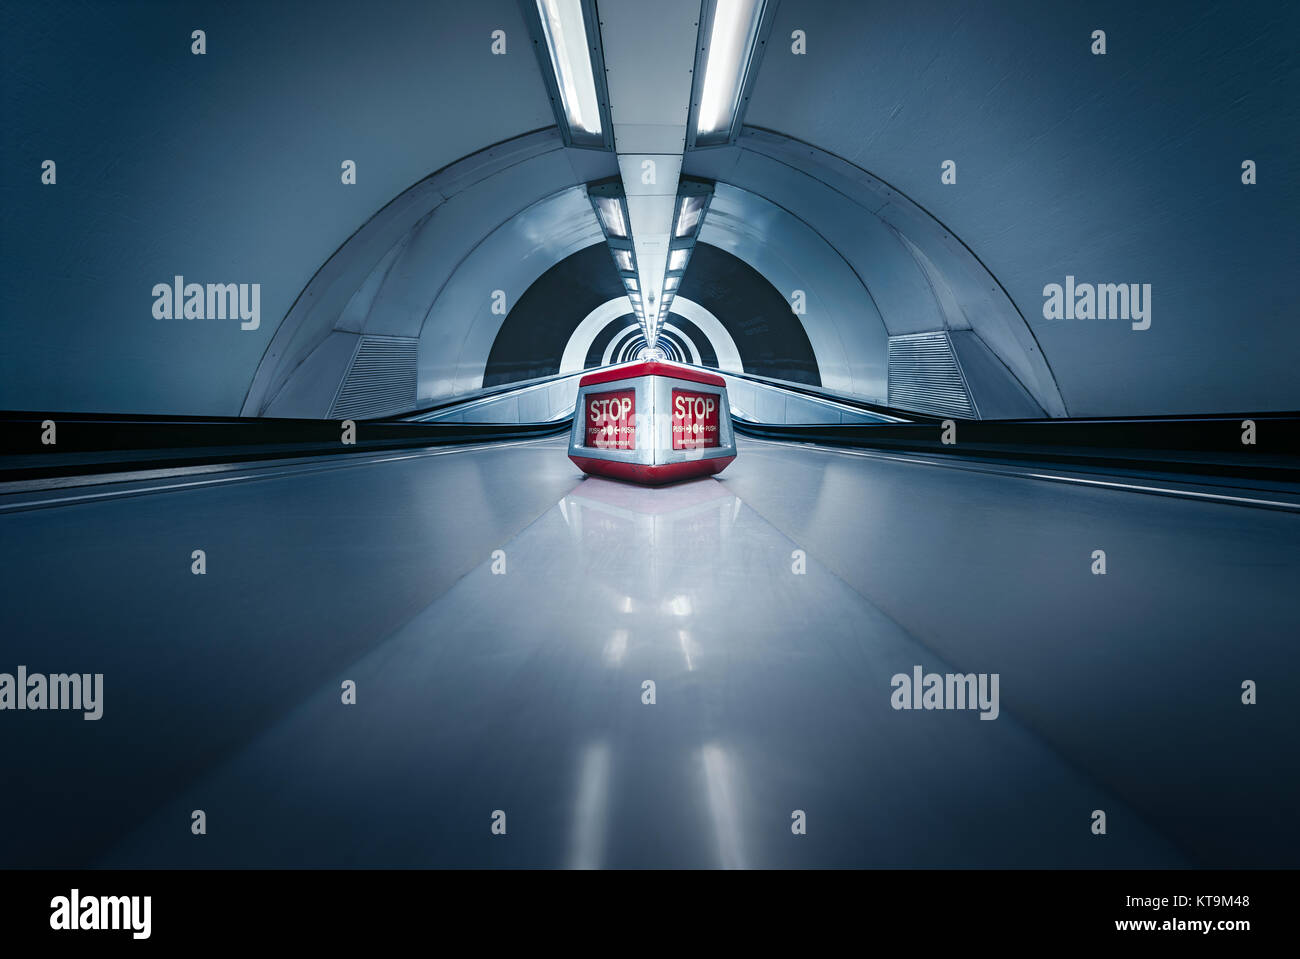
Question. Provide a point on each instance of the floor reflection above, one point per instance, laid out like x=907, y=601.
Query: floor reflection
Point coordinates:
x=521, y=688
x=590, y=807
x=659, y=559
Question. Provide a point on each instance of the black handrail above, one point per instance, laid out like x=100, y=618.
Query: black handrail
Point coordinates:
x=1204, y=445
x=100, y=443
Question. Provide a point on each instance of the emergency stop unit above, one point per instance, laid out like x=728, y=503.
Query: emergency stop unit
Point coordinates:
x=652, y=423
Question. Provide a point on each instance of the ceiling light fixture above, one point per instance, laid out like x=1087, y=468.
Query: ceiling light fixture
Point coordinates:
x=566, y=38
x=732, y=36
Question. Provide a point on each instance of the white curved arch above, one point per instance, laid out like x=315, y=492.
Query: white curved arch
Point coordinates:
x=617, y=339
x=575, y=351
x=690, y=344
x=724, y=347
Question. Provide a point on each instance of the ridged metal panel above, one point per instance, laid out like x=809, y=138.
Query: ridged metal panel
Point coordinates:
x=381, y=379
x=924, y=376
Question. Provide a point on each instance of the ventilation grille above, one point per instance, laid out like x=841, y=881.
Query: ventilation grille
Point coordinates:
x=924, y=376
x=381, y=380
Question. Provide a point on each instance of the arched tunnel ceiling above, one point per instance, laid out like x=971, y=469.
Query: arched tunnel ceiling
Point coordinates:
x=538, y=338
x=588, y=342
x=441, y=264
x=486, y=268
x=674, y=344
x=868, y=264
x=1115, y=169
x=757, y=326
x=771, y=339
x=531, y=341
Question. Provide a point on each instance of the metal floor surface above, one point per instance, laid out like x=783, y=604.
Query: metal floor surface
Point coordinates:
x=514, y=682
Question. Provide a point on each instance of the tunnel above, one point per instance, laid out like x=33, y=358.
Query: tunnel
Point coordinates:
x=298, y=304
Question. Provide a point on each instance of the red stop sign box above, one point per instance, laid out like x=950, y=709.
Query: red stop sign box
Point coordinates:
x=684, y=430
x=695, y=420
x=611, y=420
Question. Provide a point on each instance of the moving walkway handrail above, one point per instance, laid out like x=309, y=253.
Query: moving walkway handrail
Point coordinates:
x=97, y=443
x=1204, y=445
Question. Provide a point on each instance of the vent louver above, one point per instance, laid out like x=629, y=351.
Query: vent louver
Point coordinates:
x=925, y=377
x=380, y=381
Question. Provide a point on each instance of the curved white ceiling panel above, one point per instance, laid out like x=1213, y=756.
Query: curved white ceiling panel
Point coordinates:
x=724, y=347
x=909, y=273
x=870, y=248
x=447, y=260
x=585, y=333
x=457, y=334
x=389, y=277
x=843, y=326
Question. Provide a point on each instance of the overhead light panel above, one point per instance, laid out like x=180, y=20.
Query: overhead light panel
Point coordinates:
x=732, y=35
x=689, y=216
x=612, y=219
x=566, y=37
x=735, y=24
x=643, y=263
x=690, y=207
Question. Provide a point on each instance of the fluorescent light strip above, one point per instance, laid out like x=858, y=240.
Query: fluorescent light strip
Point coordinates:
x=677, y=260
x=566, y=36
x=611, y=216
x=689, y=218
x=735, y=24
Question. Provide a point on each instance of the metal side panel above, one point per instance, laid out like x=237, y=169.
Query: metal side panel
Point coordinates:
x=381, y=379
x=924, y=376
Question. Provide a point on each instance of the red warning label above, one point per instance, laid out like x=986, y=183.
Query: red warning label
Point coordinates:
x=695, y=420
x=611, y=420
